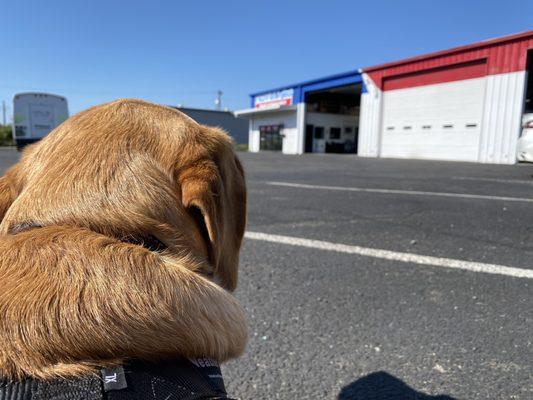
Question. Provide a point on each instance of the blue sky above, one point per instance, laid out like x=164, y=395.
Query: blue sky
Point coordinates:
x=177, y=52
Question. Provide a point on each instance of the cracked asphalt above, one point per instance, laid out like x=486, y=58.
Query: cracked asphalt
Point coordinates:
x=327, y=325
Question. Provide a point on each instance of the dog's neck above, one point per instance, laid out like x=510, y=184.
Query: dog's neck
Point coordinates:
x=149, y=242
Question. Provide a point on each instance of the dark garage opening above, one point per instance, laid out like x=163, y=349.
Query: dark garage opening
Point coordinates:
x=332, y=120
x=528, y=106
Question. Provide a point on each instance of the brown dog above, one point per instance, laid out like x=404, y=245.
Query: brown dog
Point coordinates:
x=77, y=291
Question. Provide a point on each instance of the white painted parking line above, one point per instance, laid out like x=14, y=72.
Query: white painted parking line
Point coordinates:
x=393, y=255
x=499, y=180
x=402, y=192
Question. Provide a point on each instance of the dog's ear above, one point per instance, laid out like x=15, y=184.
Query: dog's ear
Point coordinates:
x=214, y=192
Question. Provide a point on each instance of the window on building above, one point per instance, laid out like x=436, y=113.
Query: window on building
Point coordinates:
x=270, y=137
x=334, y=133
x=319, y=132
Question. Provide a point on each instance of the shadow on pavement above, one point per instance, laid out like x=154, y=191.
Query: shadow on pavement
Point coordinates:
x=383, y=386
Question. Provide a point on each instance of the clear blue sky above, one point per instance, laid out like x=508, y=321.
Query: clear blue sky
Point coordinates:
x=182, y=52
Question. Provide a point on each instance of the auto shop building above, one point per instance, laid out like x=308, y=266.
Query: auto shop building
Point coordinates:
x=316, y=116
x=462, y=104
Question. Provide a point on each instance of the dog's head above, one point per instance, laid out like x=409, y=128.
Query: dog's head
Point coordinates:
x=133, y=170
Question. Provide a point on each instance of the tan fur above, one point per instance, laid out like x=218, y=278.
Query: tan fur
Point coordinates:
x=73, y=295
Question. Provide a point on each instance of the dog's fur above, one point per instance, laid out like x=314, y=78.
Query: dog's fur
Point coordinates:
x=76, y=291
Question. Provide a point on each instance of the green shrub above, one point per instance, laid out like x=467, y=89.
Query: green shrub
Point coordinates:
x=241, y=147
x=6, y=138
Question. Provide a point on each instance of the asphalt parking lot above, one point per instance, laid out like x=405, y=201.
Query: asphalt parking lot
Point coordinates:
x=332, y=325
x=375, y=319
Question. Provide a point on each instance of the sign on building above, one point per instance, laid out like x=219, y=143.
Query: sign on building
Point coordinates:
x=279, y=98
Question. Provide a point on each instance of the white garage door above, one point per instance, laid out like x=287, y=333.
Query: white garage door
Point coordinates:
x=439, y=121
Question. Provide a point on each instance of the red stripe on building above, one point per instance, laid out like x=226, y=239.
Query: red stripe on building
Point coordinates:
x=452, y=73
x=504, y=55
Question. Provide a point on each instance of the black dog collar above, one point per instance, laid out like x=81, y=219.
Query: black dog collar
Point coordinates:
x=181, y=379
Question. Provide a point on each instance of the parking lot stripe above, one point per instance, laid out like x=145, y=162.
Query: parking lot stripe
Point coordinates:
x=499, y=180
x=393, y=255
x=402, y=192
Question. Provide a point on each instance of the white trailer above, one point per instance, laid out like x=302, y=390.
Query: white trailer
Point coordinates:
x=35, y=115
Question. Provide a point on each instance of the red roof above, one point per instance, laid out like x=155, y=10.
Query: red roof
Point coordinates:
x=473, y=46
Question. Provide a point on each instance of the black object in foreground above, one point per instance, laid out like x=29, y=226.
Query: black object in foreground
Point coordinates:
x=383, y=386
x=170, y=380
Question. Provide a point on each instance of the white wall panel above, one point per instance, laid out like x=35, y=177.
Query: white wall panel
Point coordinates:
x=290, y=132
x=369, y=120
x=300, y=127
x=501, y=118
x=253, y=137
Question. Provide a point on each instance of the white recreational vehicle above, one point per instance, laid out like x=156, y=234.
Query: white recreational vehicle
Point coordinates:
x=35, y=115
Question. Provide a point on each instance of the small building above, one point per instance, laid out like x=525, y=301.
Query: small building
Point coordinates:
x=462, y=104
x=316, y=116
x=237, y=128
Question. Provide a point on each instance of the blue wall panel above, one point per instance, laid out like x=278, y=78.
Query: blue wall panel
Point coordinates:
x=302, y=88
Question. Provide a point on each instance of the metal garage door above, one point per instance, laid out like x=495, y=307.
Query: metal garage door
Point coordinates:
x=439, y=121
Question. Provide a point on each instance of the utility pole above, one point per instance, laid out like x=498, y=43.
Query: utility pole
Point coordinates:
x=4, y=111
x=218, y=101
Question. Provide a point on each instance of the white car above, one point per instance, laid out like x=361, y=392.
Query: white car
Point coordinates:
x=525, y=143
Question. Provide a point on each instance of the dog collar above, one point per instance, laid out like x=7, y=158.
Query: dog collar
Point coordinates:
x=180, y=379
